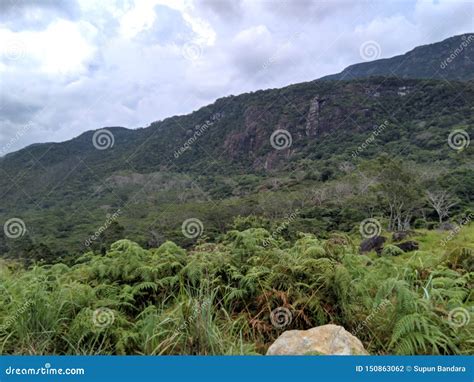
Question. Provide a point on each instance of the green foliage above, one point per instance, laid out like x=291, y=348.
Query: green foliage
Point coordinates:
x=391, y=250
x=218, y=298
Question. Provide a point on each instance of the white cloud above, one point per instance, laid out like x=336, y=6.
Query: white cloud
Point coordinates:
x=138, y=18
x=60, y=49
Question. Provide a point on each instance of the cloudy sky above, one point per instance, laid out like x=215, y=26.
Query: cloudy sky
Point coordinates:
x=67, y=66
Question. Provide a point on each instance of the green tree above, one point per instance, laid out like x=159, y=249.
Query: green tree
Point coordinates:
x=399, y=188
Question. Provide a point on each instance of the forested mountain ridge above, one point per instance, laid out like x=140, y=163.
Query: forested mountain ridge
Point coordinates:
x=216, y=162
x=450, y=59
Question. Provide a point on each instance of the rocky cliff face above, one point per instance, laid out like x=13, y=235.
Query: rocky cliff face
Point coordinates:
x=251, y=136
x=314, y=116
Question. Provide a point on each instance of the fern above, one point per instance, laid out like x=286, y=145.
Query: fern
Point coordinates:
x=416, y=334
x=217, y=298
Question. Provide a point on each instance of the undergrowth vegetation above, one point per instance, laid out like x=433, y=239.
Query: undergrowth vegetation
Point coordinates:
x=218, y=298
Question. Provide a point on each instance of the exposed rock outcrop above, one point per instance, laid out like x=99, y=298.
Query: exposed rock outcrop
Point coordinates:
x=313, y=118
x=400, y=235
x=408, y=246
x=447, y=226
x=326, y=340
x=374, y=243
x=256, y=133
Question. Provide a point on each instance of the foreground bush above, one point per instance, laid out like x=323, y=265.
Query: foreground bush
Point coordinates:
x=219, y=299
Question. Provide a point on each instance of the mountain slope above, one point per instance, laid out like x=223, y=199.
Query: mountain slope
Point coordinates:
x=225, y=160
x=451, y=59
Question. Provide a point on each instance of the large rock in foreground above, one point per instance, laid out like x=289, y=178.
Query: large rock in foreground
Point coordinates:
x=326, y=340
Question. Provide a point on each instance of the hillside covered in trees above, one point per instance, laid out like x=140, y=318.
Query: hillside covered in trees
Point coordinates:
x=65, y=192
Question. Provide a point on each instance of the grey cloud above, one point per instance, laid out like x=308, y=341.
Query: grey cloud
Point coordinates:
x=20, y=15
x=16, y=110
x=310, y=9
x=224, y=9
x=168, y=27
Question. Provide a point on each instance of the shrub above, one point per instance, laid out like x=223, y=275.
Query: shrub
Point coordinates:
x=420, y=223
x=392, y=250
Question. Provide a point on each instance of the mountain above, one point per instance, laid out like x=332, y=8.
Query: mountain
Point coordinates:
x=260, y=153
x=451, y=59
